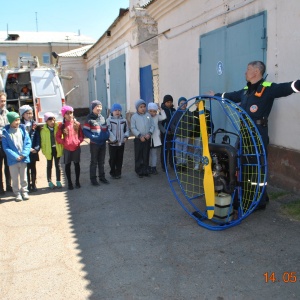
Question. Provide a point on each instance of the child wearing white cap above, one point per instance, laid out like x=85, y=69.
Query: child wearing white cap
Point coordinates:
x=26, y=113
x=155, y=144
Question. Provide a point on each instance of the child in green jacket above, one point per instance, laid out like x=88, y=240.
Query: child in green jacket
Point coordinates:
x=51, y=149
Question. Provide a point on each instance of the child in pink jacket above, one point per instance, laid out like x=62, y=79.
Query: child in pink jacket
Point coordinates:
x=70, y=135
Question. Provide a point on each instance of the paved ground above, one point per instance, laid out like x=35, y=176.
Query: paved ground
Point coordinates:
x=132, y=240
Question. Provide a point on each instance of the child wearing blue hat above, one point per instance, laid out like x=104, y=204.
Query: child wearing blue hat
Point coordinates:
x=118, y=135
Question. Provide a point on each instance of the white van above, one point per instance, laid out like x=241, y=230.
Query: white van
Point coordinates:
x=35, y=85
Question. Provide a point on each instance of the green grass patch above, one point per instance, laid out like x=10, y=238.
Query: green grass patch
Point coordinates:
x=292, y=209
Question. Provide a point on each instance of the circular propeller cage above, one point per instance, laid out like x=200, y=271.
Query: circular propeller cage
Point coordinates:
x=234, y=170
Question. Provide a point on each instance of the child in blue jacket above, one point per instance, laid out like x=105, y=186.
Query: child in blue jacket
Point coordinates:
x=17, y=144
x=95, y=129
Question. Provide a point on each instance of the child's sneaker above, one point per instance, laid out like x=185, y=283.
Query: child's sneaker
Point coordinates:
x=19, y=198
x=51, y=185
x=25, y=196
x=58, y=184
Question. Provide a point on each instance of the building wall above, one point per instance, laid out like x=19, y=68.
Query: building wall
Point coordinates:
x=183, y=22
x=75, y=67
x=127, y=36
x=170, y=44
x=13, y=51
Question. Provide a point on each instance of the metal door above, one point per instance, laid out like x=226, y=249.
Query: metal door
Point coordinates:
x=212, y=59
x=225, y=53
x=146, y=84
x=91, y=85
x=245, y=42
x=101, y=86
x=117, y=73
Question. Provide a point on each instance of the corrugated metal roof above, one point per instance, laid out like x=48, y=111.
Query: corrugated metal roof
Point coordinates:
x=148, y=3
x=44, y=37
x=75, y=52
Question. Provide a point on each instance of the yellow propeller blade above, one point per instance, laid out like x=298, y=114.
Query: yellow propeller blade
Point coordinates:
x=208, y=180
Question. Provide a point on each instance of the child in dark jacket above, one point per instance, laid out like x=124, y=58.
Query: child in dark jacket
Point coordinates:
x=182, y=124
x=166, y=149
x=95, y=129
x=70, y=135
x=17, y=144
x=118, y=135
x=26, y=113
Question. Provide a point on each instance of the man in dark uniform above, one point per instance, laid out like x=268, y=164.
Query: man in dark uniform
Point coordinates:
x=257, y=99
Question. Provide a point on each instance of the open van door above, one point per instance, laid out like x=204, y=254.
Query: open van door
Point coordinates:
x=48, y=93
x=1, y=84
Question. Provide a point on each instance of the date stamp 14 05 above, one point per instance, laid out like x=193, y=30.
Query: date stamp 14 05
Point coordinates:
x=283, y=277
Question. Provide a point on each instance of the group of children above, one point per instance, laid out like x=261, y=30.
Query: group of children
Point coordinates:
x=22, y=140
x=144, y=126
x=156, y=127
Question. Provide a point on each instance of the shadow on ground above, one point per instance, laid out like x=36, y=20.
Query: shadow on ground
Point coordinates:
x=136, y=242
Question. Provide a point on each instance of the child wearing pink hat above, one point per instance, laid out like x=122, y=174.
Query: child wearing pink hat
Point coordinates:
x=70, y=135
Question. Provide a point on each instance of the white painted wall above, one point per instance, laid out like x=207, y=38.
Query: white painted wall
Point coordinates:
x=178, y=50
x=122, y=41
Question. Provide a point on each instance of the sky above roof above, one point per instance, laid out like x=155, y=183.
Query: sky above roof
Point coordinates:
x=89, y=17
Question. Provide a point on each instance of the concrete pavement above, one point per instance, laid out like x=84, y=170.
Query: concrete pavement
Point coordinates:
x=132, y=240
